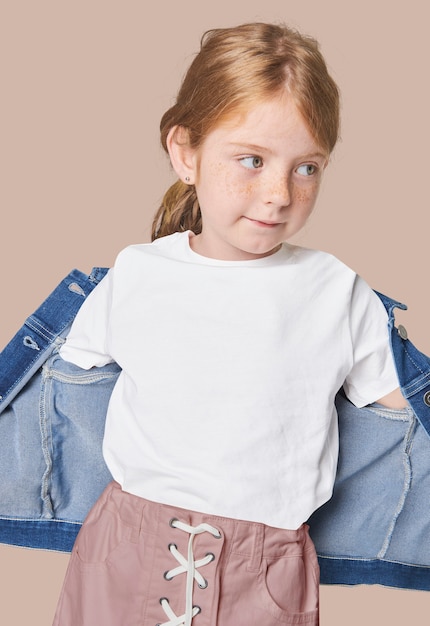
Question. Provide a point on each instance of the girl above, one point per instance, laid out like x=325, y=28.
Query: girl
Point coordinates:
x=221, y=433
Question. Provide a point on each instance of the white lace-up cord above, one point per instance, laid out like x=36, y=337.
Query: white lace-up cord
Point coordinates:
x=174, y=620
x=188, y=565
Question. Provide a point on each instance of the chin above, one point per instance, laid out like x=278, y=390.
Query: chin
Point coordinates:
x=261, y=251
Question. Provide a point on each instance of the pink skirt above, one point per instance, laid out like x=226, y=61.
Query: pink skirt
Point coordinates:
x=139, y=563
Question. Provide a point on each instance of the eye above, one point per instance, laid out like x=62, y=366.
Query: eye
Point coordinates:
x=308, y=169
x=252, y=162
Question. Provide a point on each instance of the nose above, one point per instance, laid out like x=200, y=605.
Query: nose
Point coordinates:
x=278, y=190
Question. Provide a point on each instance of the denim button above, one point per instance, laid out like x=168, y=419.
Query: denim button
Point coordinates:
x=402, y=331
x=427, y=398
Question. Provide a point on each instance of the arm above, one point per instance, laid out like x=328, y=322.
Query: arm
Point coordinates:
x=373, y=376
x=393, y=400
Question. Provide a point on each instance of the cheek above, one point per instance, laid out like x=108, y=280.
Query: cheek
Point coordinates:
x=216, y=176
x=231, y=183
x=306, y=196
x=243, y=191
x=303, y=196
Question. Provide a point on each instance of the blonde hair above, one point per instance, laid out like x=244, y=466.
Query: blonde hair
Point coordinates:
x=236, y=68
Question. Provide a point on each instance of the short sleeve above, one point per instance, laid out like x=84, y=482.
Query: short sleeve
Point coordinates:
x=373, y=373
x=87, y=342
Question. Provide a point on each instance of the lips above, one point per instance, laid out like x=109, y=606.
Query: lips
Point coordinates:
x=263, y=223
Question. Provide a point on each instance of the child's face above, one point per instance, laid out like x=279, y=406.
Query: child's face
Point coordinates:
x=257, y=178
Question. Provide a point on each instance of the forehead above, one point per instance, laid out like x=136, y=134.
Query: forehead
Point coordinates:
x=273, y=122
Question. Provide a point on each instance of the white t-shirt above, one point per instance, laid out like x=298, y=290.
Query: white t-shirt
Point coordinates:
x=225, y=402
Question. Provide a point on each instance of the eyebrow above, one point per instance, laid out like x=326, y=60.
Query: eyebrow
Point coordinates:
x=314, y=155
x=255, y=148
x=249, y=146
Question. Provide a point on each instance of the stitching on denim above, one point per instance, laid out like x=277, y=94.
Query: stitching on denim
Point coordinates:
x=39, y=328
x=417, y=385
x=407, y=479
x=416, y=364
x=33, y=323
x=46, y=438
x=370, y=560
x=97, y=274
x=38, y=357
x=80, y=379
x=394, y=415
x=38, y=520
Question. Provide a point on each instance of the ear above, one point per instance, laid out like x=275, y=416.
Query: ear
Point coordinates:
x=182, y=156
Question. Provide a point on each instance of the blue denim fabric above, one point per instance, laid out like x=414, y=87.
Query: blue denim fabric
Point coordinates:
x=52, y=469
x=413, y=367
x=375, y=529
x=43, y=331
x=51, y=466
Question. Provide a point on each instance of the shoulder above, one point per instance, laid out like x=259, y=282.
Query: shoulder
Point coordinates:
x=338, y=281
x=162, y=247
x=311, y=255
x=139, y=261
x=321, y=264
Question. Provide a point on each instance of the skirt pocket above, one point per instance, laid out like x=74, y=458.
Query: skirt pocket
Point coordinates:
x=111, y=526
x=290, y=585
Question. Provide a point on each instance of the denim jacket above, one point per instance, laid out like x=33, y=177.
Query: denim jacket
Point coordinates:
x=374, y=530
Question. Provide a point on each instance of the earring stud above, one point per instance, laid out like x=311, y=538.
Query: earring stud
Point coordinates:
x=187, y=179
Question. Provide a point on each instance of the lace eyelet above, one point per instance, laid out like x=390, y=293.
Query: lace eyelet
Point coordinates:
x=166, y=576
x=212, y=555
x=172, y=522
x=205, y=584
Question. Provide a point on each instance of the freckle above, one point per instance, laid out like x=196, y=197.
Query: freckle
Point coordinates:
x=222, y=173
x=302, y=195
x=246, y=191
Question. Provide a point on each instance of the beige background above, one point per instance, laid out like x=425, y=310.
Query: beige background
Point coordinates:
x=83, y=86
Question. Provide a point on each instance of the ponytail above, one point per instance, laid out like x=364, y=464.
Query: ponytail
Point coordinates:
x=179, y=211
